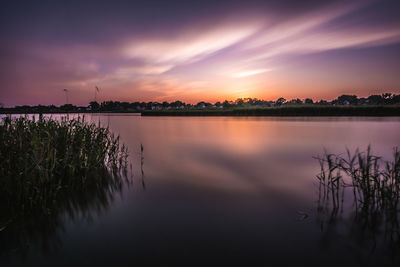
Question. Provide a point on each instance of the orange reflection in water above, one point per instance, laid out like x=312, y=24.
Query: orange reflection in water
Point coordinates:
x=246, y=155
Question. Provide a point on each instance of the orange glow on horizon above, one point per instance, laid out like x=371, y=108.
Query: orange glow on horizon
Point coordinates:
x=262, y=53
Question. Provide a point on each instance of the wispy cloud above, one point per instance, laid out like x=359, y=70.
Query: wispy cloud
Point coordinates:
x=287, y=28
x=128, y=72
x=258, y=40
x=189, y=48
x=320, y=40
x=249, y=73
x=221, y=50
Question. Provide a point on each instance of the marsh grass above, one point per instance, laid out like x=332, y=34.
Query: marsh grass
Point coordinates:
x=45, y=160
x=374, y=184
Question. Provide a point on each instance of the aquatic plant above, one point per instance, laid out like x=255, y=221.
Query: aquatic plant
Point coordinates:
x=374, y=187
x=375, y=192
x=43, y=159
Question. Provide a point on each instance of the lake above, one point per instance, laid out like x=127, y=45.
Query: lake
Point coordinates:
x=216, y=190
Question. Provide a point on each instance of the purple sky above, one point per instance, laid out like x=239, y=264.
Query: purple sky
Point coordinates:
x=197, y=50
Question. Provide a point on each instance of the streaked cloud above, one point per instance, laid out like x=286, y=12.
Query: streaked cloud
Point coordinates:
x=189, y=48
x=320, y=40
x=126, y=72
x=207, y=51
x=249, y=73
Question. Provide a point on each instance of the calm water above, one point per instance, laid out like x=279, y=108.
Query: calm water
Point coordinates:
x=215, y=190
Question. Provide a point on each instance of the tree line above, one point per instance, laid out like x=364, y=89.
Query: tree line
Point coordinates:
x=117, y=106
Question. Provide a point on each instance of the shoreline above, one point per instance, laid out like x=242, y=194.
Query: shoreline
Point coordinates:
x=291, y=111
x=285, y=111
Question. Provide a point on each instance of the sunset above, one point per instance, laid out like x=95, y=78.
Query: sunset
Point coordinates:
x=197, y=51
x=200, y=133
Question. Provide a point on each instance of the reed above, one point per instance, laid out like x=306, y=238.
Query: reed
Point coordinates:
x=375, y=182
x=375, y=186
x=43, y=160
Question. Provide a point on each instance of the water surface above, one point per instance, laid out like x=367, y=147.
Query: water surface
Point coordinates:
x=208, y=190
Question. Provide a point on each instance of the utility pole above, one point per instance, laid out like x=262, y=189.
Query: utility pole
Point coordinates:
x=66, y=96
x=96, y=90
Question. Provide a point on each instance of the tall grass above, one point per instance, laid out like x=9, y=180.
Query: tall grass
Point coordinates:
x=42, y=160
x=52, y=169
x=374, y=184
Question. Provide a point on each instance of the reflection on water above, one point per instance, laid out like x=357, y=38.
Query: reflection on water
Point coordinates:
x=223, y=191
x=43, y=225
x=141, y=165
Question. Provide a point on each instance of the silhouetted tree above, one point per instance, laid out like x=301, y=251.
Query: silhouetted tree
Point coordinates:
x=239, y=102
x=347, y=99
x=280, y=101
x=177, y=104
x=94, y=105
x=66, y=107
x=376, y=99
x=295, y=101
x=227, y=104
x=308, y=101
x=322, y=102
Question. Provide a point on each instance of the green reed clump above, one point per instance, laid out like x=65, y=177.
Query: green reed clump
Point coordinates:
x=43, y=159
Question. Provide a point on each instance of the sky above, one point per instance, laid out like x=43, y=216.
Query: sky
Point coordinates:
x=196, y=50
